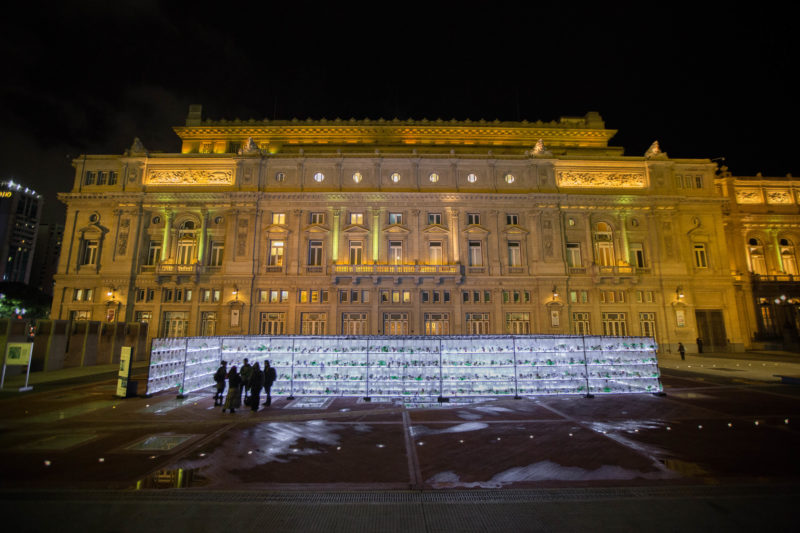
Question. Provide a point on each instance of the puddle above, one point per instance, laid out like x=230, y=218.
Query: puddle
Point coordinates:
x=166, y=406
x=310, y=403
x=57, y=442
x=688, y=395
x=178, y=478
x=418, y=431
x=159, y=443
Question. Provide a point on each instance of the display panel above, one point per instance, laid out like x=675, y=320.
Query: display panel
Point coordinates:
x=417, y=368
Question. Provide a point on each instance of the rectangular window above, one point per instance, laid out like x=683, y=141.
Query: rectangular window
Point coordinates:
x=475, y=254
x=140, y=295
x=395, y=218
x=425, y=296
x=647, y=324
x=580, y=324
x=605, y=253
x=273, y=324
x=700, y=257
x=477, y=323
x=313, y=323
x=344, y=296
x=435, y=253
x=88, y=178
x=436, y=297
x=615, y=324
x=354, y=324
x=446, y=296
x=276, y=253
x=274, y=296
x=143, y=316
x=208, y=323
x=698, y=182
x=514, y=255
x=151, y=295
x=518, y=323
x=154, y=252
x=356, y=218
x=437, y=323
x=317, y=218
x=512, y=220
x=679, y=181
x=216, y=253
x=574, y=255
x=315, y=253
x=395, y=323
x=473, y=218
x=385, y=296
x=90, y=252
x=166, y=295
x=302, y=296
x=77, y=295
x=637, y=255
x=101, y=178
x=356, y=252
x=687, y=182
x=112, y=177
x=395, y=253
x=434, y=218
x=176, y=324
x=215, y=294
x=279, y=218
x=487, y=296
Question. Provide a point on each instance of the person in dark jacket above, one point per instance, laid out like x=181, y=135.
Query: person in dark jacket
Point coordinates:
x=219, y=378
x=256, y=382
x=234, y=398
x=682, y=351
x=269, y=378
x=699, y=345
x=246, y=372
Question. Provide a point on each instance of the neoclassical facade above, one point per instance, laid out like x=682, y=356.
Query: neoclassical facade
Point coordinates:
x=408, y=227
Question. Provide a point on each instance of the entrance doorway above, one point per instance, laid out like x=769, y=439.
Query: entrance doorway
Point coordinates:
x=711, y=329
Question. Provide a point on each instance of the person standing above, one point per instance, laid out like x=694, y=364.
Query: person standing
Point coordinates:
x=682, y=351
x=699, y=345
x=256, y=382
x=219, y=378
x=234, y=398
x=245, y=373
x=269, y=378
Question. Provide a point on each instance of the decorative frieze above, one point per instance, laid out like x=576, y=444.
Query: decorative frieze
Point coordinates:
x=193, y=176
x=601, y=179
x=779, y=196
x=749, y=196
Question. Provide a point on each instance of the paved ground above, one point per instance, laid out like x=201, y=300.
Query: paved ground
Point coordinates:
x=719, y=451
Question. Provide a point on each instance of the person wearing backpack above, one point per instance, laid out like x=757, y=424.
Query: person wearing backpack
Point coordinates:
x=219, y=378
x=269, y=378
x=234, y=398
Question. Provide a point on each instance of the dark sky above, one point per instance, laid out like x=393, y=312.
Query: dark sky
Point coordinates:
x=88, y=77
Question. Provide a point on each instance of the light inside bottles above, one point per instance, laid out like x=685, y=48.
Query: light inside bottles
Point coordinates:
x=47, y=462
x=101, y=460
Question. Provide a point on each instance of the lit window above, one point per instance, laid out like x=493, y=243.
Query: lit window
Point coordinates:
x=356, y=218
x=395, y=218
x=475, y=255
x=472, y=178
x=434, y=218
x=434, y=177
x=90, y=252
x=279, y=218
x=280, y=176
x=395, y=177
x=509, y=178
x=435, y=253
x=315, y=253
x=356, y=252
x=357, y=177
x=276, y=253
x=700, y=256
x=317, y=218
x=514, y=255
x=319, y=177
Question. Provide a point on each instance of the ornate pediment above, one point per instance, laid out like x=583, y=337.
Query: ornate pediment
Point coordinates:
x=277, y=228
x=397, y=229
x=514, y=230
x=436, y=228
x=355, y=228
x=195, y=176
x=601, y=179
x=475, y=229
x=317, y=228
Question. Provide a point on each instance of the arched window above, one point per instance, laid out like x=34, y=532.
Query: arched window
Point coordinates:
x=187, y=243
x=788, y=257
x=758, y=264
x=604, y=244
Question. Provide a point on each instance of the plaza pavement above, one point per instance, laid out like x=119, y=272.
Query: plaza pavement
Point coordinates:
x=717, y=452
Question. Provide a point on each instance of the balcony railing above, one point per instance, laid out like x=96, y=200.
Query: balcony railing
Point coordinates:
x=773, y=278
x=162, y=268
x=396, y=270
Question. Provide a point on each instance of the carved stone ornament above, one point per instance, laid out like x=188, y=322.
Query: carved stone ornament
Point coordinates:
x=539, y=150
x=190, y=177
x=749, y=196
x=601, y=179
x=654, y=152
x=249, y=147
x=779, y=197
x=137, y=148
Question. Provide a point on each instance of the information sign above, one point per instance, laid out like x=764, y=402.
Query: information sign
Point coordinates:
x=18, y=354
x=124, y=371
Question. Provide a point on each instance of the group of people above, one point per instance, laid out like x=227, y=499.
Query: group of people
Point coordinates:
x=248, y=381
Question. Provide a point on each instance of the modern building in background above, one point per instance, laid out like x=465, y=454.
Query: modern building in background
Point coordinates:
x=415, y=228
x=20, y=213
x=45, y=257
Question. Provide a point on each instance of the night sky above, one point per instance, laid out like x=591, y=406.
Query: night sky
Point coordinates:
x=88, y=77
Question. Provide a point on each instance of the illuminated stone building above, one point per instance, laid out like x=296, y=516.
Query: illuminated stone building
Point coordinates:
x=401, y=227
x=763, y=231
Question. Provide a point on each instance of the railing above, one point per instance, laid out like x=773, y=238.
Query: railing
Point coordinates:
x=515, y=270
x=162, y=268
x=776, y=277
x=316, y=269
x=577, y=270
x=274, y=269
x=436, y=270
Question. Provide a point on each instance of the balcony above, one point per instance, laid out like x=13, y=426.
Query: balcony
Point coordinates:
x=775, y=278
x=619, y=272
x=163, y=269
x=397, y=271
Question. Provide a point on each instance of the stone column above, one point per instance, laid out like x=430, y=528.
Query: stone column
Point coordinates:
x=201, y=244
x=454, y=239
x=167, y=240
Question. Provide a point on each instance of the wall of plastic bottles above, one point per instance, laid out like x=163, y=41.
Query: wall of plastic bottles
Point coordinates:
x=416, y=367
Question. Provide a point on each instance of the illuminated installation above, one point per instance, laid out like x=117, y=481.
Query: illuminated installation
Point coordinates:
x=416, y=368
x=421, y=227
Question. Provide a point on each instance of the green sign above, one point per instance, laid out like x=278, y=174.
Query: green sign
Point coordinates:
x=18, y=353
x=124, y=371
